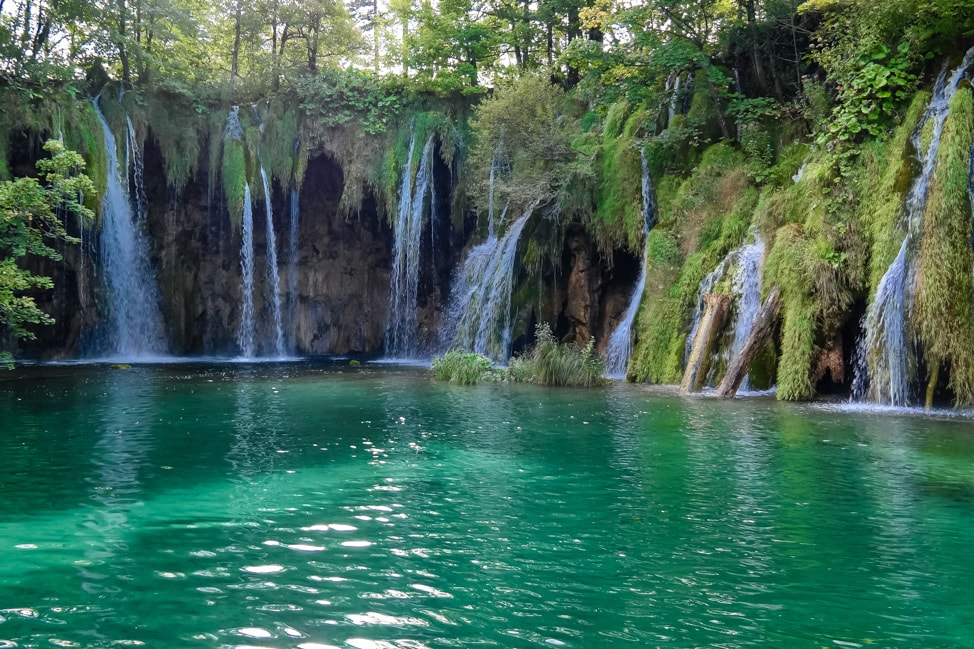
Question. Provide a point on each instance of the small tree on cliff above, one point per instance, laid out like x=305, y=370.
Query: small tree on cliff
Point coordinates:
x=30, y=222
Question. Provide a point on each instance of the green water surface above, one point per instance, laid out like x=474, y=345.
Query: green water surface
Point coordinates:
x=310, y=506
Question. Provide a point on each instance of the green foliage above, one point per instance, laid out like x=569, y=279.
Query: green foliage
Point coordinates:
x=4, y=152
x=518, y=131
x=944, y=312
x=465, y=368
x=548, y=363
x=338, y=97
x=757, y=144
x=29, y=224
x=872, y=54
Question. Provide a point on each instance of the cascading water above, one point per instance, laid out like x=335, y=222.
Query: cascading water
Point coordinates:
x=135, y=163
x=479, y=318
x=245, y=335
x=884, y=361
x=292, y=265
x=134, y=315
x=273, y=276
x=401, y=330
x=747, y=262
x=619, y=347
x=747, y=296
x=706, y=286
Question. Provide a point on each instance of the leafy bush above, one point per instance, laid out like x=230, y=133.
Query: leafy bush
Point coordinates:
x=465, y=368
x=31, y=227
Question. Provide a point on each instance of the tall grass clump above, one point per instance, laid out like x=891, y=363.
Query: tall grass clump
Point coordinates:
x=465, y=368
x=564, y=365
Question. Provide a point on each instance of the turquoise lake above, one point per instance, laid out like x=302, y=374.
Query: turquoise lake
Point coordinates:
x=311, y=505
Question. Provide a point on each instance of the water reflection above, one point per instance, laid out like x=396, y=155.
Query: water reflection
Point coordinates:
x=116, y=497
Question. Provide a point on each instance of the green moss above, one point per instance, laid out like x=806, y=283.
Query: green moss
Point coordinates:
x=618, y=219
x=815, y=301
x=711, y=209
x=663, y=248
x=787, y=266
x=234, y=175
x=790, y=160
x=84, y=135
x=658, y=355
x=943, y=313
x=277, y=142
x=178, y=128
x=882, y=180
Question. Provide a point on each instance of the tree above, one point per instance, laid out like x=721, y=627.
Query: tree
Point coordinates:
x=30, y=221
x=452, y=44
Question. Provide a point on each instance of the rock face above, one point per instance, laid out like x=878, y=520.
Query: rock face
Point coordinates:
x=342, y=270
x=584, y=282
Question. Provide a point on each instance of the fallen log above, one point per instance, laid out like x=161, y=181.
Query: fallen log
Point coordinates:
x=758, y=337
x=716, y=308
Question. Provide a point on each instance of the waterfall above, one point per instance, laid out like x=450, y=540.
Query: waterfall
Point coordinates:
x=292, y=267
x=273, y=277
x=747, y=296
x=135, y=162
x=706, y=286
x=401, y=330
x=884, y=368
x=134, y=315
x=479, y=317
x=747, y=261
x=245, y=335
x=619, y=348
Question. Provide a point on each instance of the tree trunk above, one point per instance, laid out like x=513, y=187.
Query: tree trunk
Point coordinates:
x=123, y=54
x=758, y=337
x=932, y=385
x=375, y=36
x=715, y=97
x=715, y=312
x=235, y=58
